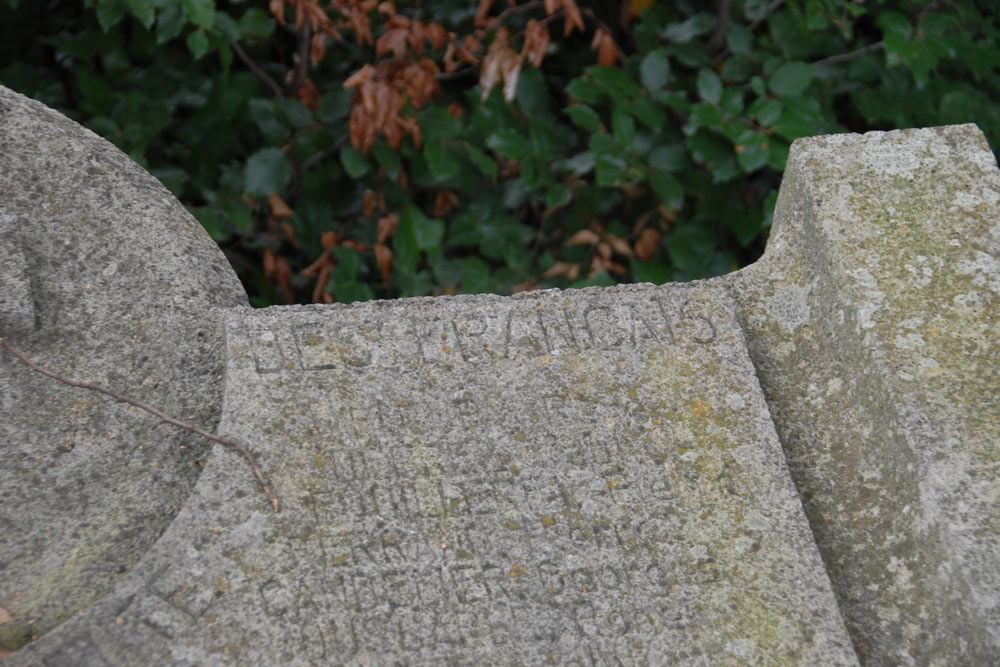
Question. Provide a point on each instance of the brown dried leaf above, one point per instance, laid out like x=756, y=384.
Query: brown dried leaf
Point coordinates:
x=278, y=208
x=445, y=202
x=607, y=50
x=386, y=227
x=619, y=245
x=536, y=41
x=482, y=11
x=647, y=243
x=283, y=275
x=308, y=95
x=317, y=48
x=290, y=233
x=583, y=237
x=319, y=289
x=558, y=269
x=355, y=245
x=437, y=36
x=368, y=202
x=604, y=250
x=329, y=239
x=277, y=8
x=359, y=77
x=573, y=17
x=383, y=259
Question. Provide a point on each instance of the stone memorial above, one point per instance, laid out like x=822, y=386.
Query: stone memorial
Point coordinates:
x=797, y=463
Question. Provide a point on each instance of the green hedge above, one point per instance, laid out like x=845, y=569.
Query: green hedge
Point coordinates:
x=662, y=166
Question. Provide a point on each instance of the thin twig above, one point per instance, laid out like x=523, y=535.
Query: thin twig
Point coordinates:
x=257, y=71
x=302, y=65
x=844, y=57
x=718, y=38
x=229, y=442
x=767, y=12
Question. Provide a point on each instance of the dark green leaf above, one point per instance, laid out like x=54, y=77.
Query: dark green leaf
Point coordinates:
x=406, y=252
x=268, y=171
x=532, y=94
x=197, y=43
x=427, y=232
x=274, y=127
x=386, y=157
x=623, y=128
x=483, y=162
x=739, y=39
x=558, y=195
x=689, y=247
x=650, y=272
x=200, y=12
x=667, y=188
x=355, y=164
x=672, y=157
x=144, y=10
x=791, y=79
x=585, y=117
x=697, y=25
x=654, y=70
x=709, y=86
x=611, y=170
x=646, y=110
x=440, y=160
x=510, y=144
x=256, y=22
x=615, y=81
x=109, y=13
x=706, y=114
x=585, y=89
x=768, y=112
x=348, y=263
x=437, y=123
x=334, y=105
x=752, y=154
x=351, y=291
x=296, y=112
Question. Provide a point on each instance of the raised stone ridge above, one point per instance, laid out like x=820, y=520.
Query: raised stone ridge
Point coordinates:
x=793, y=464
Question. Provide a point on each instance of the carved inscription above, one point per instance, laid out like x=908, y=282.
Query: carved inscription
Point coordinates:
x=523, y=480
x=522, y=330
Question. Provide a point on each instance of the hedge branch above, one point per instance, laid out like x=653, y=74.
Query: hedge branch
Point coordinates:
x=257, y=71
x=229, y=442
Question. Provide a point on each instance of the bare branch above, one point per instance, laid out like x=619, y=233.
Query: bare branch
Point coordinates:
x=302, y=57
x=257, y=71
x=770, y=9
x=718, y=39
x=229, y=442
x=844, y=57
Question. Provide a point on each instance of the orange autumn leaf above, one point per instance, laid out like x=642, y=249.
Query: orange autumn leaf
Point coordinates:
x=573, y=17
x=383, y=259
x=647, y=243
x=604, y=44
x=386, y=227
x=278, y=208
x=536, y=41
x=583, y=237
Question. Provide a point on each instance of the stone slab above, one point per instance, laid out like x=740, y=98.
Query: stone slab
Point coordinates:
x=585, y=476
x=103, y=277
x=873, y=320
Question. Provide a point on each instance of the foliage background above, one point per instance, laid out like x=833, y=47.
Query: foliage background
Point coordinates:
x=491, y=148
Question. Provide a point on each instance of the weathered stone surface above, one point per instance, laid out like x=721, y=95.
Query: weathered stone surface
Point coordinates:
x=589, y=475
x=105, y=277
x=873, y=320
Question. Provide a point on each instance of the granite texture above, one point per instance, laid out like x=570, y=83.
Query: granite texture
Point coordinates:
x=794, y=464
x=873, y=320
x=105, y=278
